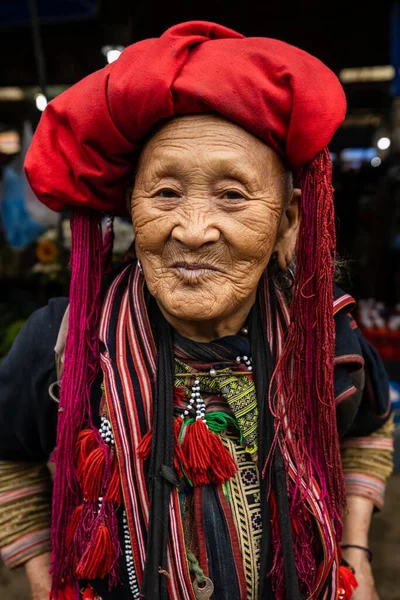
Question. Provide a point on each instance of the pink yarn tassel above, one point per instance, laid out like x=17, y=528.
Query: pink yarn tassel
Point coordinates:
x=81, y=365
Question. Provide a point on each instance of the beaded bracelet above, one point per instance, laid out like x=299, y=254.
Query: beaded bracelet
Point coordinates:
x=367, y=550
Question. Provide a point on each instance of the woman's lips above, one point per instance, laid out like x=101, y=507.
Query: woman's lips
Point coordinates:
x=192, y=272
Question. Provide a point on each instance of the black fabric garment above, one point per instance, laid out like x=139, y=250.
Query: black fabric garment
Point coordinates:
x=374, y=410
x=221, y=564
x=221, y=353
x=161, y=474
x=28, y=415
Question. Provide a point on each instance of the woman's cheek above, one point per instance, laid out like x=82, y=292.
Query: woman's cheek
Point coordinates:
x=150, y=231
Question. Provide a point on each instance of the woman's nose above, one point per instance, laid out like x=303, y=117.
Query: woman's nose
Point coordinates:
x=195, y=231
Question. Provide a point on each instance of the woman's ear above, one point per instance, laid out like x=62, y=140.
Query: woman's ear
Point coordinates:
x=287, y=236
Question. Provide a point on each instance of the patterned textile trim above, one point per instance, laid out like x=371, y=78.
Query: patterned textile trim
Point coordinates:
x=349, y=358
x=244, y=496
x=369, y=442
x=15, y=474
x=346, y=394
x=365, y=485
x=18, y=493
x=234, y=542
x=368, y=463
x=131, y=417
x=341, y=302
x=26, y=547
x=25, y=511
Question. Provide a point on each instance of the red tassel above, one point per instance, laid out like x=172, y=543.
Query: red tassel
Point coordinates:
x=65, y=593
x=222, y=467
x=88, y=594
x=73, y=524
x=196, y=448
x=90, y=475
x=85, y=444
x=179, y=396
x=207, y=459
x=347, y=583
x=144, y=447
x=179, y=456
x=99, y=557
x=114, y=493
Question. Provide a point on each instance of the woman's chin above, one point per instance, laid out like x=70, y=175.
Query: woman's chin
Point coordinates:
x=186, y=307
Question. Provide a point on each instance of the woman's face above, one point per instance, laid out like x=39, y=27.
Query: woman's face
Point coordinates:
x=208, y=209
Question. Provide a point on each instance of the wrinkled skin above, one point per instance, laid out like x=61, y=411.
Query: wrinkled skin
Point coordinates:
x=210, y=205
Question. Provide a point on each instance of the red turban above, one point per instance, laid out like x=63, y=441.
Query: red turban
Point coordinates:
x=81, y=154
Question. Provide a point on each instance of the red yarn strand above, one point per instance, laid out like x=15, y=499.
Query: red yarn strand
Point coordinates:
x=304, y=375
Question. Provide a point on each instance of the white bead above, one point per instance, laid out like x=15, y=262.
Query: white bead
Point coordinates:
x=250, y=368
x=238, y=359
x=245, y=358
x=197, y=381
x=213, y=373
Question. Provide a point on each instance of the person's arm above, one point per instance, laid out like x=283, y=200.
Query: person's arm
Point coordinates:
x=28, y=419
x=367, y=464
x=38, y=573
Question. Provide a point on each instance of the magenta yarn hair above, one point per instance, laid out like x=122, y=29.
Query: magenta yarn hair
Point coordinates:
x=306, y=369
x=80, y=369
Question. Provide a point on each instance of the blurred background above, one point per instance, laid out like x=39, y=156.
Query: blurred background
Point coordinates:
x=47, y=45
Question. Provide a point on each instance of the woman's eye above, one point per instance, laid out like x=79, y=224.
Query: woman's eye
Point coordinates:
x=232, y=195
x=168, y=193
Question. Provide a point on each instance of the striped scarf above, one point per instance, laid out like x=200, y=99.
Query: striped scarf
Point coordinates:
x=133, y=370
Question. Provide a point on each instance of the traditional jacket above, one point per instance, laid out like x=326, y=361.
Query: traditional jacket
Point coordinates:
x=29, y=438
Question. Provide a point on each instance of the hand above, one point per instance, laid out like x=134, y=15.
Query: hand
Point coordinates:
x=37, y=571
x=358, y=559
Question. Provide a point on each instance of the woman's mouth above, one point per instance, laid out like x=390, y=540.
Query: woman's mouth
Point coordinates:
x=192, y=272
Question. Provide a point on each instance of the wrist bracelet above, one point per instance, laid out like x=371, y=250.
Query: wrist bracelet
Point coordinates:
x=367, y=550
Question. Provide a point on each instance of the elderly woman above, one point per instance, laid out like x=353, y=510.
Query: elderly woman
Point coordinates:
x=202, y=394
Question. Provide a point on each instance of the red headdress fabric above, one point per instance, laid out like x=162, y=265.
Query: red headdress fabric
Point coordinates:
x=81, y=154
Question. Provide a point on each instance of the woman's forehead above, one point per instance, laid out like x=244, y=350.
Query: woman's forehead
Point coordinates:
x=195, y=128
x=208, y=140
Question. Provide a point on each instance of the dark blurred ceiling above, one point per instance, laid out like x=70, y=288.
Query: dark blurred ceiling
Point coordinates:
x=341, y=33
